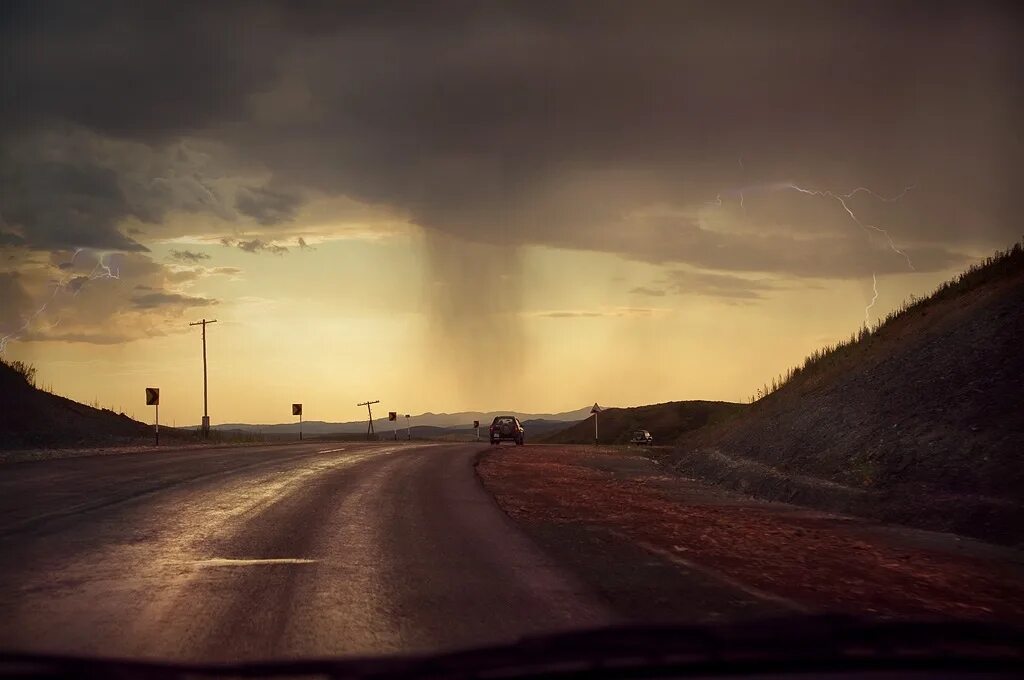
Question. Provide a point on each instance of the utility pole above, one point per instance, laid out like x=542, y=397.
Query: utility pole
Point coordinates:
x=206, y=409
x=369, y=411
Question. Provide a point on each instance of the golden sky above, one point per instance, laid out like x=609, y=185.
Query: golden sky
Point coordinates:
x=351, y=321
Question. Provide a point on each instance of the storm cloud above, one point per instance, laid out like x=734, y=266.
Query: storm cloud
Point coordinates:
x=727, y=286
x=537, y=123
x=154, y=300
x=98, y=298
x=266, y=206
x=255, y=245
x=188, y=256
x=675, y=134
x=14, y=301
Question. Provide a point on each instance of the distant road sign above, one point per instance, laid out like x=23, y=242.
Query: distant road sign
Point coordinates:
x=476, y=423
x=296, y=409
x=392, y=415
x=152, y=396
x=596, y=409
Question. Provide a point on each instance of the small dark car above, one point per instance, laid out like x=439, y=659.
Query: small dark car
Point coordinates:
x=507, y=428
x=641, y=438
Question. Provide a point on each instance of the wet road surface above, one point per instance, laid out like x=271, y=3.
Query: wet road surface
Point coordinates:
x=301, y=550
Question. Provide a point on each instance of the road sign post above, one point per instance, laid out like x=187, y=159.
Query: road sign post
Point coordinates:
x=393, y=417
x=476, y=425
x=297, y=411
x=597, y=409
x=153, y=399
x=408, y=427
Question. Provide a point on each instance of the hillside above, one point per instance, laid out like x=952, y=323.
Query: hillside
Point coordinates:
x=920, y=421
x=33, y=418
x=666, y=422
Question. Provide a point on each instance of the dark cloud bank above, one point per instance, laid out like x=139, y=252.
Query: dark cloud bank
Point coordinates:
x=532, y=122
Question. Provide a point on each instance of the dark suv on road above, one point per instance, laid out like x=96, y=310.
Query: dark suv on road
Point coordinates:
x=507, y=428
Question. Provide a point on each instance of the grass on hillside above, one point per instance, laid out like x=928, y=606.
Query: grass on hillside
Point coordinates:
x=25, y=370
x=1001, y=264
x=29, y=373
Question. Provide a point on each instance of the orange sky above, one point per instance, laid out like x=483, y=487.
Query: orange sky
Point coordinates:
x=349, y=321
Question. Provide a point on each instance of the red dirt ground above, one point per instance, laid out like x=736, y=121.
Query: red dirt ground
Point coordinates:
x=816, y=560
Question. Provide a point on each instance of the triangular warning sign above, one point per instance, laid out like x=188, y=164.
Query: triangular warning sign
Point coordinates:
x=596, y=409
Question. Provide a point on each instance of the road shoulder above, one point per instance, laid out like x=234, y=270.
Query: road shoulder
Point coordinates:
x=653, y=541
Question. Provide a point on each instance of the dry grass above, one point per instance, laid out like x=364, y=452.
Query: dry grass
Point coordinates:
x=1000, y=265
x=25, y=370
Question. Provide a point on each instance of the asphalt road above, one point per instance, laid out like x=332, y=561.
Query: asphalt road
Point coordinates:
x=262, y=552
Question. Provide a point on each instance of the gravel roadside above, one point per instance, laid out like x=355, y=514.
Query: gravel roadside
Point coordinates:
x=662, y=546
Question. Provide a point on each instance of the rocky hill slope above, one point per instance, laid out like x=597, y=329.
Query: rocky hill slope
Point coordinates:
x=919, y=421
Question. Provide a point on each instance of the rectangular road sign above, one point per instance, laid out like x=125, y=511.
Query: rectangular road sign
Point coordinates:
x=296, y=409
x=476, y=423
x=152, y=396
x=392, y=415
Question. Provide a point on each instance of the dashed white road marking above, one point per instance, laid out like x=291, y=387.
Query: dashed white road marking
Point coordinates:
x=227, y=562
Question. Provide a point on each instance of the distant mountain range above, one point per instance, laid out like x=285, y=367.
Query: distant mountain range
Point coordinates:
x=445, y=421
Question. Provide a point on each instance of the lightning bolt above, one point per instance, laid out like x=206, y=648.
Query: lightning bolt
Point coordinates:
x=102, y=270
x=842, y=200
x=892, y=246
x=14, y=335
x=739, y=159
x=867, y=310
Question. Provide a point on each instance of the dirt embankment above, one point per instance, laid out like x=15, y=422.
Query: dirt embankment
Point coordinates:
x=804, y=560
x=920, y=423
